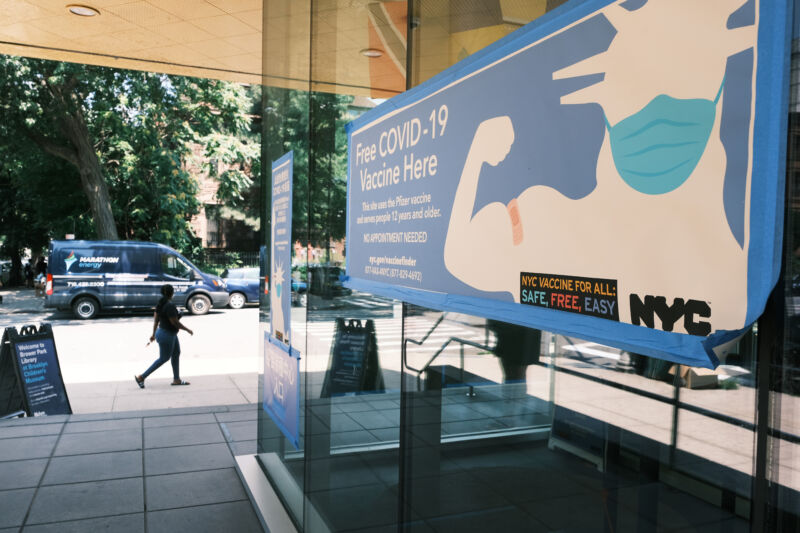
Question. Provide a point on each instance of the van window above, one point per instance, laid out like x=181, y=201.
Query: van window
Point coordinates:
x=136, y=261
x=174, y=266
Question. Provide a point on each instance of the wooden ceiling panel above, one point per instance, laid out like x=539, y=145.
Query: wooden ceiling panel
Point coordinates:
x=190, y=9
x=21, y=32
x=239, y=6
x=223, y=26
x=223, y=39
x=142, y=13
x=187, y=32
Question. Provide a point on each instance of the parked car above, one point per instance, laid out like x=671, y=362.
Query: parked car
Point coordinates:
x=91, y=276
x=244, y=286
x=326, y=281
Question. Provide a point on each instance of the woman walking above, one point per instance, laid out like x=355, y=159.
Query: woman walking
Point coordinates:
x=166, y=324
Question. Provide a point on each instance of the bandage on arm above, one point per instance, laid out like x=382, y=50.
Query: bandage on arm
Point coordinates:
x=516, y=222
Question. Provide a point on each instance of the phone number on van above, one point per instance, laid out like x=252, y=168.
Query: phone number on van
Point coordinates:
x=85, y=284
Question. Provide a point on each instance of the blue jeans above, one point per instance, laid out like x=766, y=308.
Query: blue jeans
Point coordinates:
x=169, y=348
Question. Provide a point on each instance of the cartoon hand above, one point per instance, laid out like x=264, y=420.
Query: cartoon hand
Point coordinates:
x=678, y=48
x=493, y=140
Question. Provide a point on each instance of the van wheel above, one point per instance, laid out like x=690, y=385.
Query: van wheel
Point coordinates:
x=85, y=307
x=237, y=300
x=199, y=304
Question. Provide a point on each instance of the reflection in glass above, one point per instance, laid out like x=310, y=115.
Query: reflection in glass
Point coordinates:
x=418, y=420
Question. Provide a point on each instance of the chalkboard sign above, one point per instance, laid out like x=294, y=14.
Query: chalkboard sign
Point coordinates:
x=30, y=375
x=353, y=365
x=11, y=402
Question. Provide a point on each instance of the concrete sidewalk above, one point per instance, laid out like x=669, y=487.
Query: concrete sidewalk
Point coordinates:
x=129, y=460
x=21, y=300
x=163, y=470
x=204, y=391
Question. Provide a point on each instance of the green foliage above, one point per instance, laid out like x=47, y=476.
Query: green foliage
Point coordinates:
x=141, y=126
x=312, y=125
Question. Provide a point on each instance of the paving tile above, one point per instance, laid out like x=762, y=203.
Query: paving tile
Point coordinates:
x=87, y=500
x=386, y=435
x=21, y=474
x=94, y=467
x=171, y=411
x=13, y=506
x=234, y=516
x=187, y=459
x=179, y=420
x=163, y=437
x=193, y=488
x=184, y=399
x=32, y=420
x=92, y=417
x=244, y=430
x=370, y=420
x=245, y=447
x=27, y=447
x=343, y=471
x=130, y=523
x=350, y=438
x=103, y=425
x=32, y=430
x=238, y=416
x=242, y=407
x=99, y=442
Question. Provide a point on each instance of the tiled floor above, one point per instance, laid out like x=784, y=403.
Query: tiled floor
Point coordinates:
x=165, y=470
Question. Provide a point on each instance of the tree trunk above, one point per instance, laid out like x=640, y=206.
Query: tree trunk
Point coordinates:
x=94, y=185
x=81, y=154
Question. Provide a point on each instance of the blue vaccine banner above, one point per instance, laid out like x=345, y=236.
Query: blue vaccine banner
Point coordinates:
x=282, y=389
x=280, y=271
x=613, y=171
x=281, y=360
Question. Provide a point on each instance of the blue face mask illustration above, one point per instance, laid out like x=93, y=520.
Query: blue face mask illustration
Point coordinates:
x=657, y=148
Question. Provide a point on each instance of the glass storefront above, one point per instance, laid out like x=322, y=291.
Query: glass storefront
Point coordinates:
x=458, y=423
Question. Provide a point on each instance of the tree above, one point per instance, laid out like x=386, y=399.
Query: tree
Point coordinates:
x=127, y=134
x=311, y=124
x=38, y=197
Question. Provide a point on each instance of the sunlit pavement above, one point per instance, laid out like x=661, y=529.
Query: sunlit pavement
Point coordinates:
x=99, y=358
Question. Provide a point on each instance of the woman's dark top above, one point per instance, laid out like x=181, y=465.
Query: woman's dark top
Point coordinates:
x=165, y=312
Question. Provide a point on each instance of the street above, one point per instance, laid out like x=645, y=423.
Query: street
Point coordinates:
x=114, y=347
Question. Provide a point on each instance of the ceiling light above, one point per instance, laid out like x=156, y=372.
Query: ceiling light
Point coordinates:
x=371, y=52
x=82, y=11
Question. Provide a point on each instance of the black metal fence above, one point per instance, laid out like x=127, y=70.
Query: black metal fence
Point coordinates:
x=216, y=261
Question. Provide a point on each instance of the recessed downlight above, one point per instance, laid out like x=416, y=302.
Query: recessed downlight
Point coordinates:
x=371, y=52
x=83, y=11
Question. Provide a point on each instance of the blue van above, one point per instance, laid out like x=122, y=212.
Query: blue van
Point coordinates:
x=90, y=276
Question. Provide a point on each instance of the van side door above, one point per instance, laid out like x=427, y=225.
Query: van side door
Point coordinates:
x=129, y=285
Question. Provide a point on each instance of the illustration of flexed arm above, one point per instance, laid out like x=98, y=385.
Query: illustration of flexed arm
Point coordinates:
x=477, y=249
